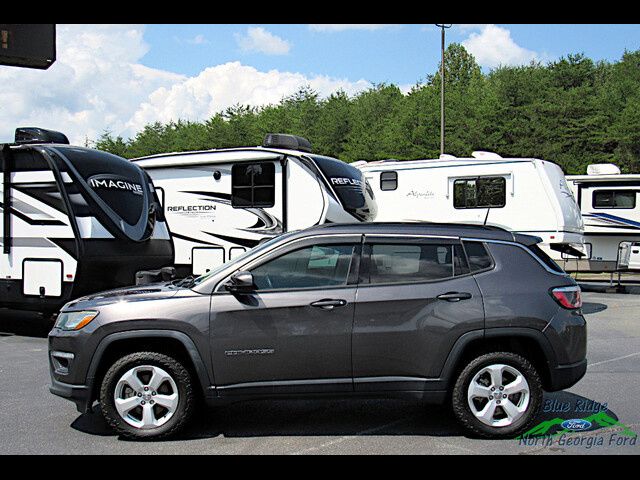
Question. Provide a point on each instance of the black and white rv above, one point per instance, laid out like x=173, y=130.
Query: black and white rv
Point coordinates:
x=74, y=221
x=609, y=204
x=220, y=203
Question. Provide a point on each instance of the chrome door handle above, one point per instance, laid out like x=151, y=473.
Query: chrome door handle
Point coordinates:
x=454, y=296
x=329, y=304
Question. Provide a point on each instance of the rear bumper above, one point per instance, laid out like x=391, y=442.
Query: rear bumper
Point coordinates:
x=565, y=376
x=78, y=394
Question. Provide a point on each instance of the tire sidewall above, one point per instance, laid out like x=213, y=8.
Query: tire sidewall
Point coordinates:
x=466, y=416
x=177, y=372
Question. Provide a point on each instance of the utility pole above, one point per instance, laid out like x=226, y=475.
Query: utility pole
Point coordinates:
x=443, y=27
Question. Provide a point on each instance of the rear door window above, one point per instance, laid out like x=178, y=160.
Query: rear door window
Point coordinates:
x=414, y=262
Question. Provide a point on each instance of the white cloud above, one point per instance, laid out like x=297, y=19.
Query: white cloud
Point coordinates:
x=341, y=27
x=259, y=40
x=98, y=83
x=198, y=40
x=222, y=86
x=95, y=84
x=493, y=46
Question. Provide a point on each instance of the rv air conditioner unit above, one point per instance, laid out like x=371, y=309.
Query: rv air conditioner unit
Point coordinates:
x=603, y=169
x=39, y=135
x=446, y=156
x=291, y=142
x=480, y=155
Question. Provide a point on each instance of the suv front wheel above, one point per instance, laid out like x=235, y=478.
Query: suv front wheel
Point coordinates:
x=146, y=395
x=498, y=395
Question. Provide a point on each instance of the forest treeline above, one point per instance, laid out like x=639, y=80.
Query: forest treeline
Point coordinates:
x=573, y=111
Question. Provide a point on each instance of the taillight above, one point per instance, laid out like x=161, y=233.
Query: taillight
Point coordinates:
x=568, y=297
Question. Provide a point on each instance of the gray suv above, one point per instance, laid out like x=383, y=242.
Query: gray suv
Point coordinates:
x=476, y=317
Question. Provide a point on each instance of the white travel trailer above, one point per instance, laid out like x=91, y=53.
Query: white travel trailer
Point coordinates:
x=74, y=221
x=524, y=195
x=220, y=203
x=611, y=211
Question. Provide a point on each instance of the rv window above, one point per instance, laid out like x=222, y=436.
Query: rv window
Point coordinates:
x=622, y=199
x=388, y=181
x=398, y=263
x=482, y=192
x=253, y=185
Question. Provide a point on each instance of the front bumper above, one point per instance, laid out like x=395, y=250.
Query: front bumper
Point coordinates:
x=565, y=376
x=78, y=394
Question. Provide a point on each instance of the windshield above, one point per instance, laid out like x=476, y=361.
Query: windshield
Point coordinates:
x=350, y=186
x=240, y=259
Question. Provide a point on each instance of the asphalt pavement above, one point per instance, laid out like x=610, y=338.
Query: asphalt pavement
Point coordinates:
x=35, y=422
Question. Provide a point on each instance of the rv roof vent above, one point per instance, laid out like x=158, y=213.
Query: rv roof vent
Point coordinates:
x=446, y=156
x=39, y=135
x=603, y=169
x=292, y=142
x=480, y=155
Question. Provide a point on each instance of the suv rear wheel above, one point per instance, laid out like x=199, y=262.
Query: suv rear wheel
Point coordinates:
x=498, y=395
x=147, y=394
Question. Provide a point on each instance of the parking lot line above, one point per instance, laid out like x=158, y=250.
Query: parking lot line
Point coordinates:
x=613, y=359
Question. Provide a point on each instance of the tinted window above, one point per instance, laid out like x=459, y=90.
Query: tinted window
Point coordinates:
x=546, y=259
x=311, y=267
x=402, y=263
x=253, y=185
x=482, y=192
x=388, y=181
x=479, y=258
x=614, y=199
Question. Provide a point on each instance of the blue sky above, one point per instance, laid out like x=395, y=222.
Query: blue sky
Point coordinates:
x=400, y=54
x=119, y=78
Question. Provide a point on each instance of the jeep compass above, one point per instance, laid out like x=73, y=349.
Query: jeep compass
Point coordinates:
x=475, y=317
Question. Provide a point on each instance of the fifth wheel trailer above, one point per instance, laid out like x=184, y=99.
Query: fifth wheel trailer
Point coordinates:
x=611, y=211
x=221, y=203
x=74, y=221
x=524, y=195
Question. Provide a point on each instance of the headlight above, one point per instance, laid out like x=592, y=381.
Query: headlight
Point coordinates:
x=75, y=320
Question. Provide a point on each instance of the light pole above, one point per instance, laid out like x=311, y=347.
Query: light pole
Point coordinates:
x=443, y=27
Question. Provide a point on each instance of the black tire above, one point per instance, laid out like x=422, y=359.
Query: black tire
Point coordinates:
x=463, y=412
x=180, y=375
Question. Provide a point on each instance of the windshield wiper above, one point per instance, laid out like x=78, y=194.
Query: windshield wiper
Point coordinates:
x=185, y=282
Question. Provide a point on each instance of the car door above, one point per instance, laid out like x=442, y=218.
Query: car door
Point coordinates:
x=415, y=299
x=293, y=332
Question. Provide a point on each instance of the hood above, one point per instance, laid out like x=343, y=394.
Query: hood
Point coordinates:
x=138, y=293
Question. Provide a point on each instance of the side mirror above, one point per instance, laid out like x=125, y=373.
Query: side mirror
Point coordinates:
x=240, y=282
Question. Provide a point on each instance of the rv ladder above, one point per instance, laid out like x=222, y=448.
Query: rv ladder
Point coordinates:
x=5, y=155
